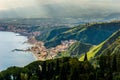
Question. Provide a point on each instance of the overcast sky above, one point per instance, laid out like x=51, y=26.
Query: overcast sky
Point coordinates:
x=8, y=4
x=40, y=5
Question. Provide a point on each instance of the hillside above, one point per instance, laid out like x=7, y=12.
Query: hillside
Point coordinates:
x=50, y=33
x=76, y=49
x=110, y=46
x=93, y=33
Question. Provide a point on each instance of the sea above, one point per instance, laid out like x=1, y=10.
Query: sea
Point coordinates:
x=9, y=41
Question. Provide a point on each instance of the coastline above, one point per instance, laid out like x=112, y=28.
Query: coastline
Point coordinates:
x=32, y=41
x=28, y=41
x=9, y=41
x=42, y=53
x=35, y=56
x=39, y=51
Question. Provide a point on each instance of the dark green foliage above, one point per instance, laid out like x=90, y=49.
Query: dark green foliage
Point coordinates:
x=114, y=63
x=58, y=69
x=65, y=69
x=108, y=67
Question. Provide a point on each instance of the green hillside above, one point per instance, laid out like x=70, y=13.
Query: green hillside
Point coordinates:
x=113, y=44
x=93, y=33
x=109, y=46
x=76, y=49
x=51, y=33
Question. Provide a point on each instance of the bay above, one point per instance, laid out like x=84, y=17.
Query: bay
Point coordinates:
x=10, y=41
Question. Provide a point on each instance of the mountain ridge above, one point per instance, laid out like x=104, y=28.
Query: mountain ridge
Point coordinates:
x=92, y=33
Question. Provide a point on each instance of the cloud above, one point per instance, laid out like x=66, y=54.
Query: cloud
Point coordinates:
x=103, y=4
x=8, y=4
x=51, y=8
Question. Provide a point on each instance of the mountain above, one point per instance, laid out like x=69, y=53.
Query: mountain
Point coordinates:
x=92, y=33
x=110, y=46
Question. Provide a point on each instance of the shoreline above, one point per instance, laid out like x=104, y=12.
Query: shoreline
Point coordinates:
x=34, y=56
x=31, y=40
x=39, y=51
x=28, y=42
x=19, y=57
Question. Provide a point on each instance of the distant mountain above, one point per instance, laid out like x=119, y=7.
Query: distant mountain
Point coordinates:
x=92, y=33
x=114, y=16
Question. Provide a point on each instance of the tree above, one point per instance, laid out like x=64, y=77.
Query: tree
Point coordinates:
x=34, y=77
x=114, y=64
x=75, y=74
x=57, y=67
x=85, y=58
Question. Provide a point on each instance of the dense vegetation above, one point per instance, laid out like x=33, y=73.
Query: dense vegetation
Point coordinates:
x=106, y=68
x=58, y=69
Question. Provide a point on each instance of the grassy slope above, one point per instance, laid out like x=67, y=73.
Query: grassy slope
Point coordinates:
x=109, y=46
x=77, y=49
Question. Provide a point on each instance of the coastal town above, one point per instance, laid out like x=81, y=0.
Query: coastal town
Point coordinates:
x=32, y=30
x=42, y=53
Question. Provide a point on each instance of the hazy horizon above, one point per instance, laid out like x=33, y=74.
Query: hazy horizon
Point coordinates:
x=57, y=8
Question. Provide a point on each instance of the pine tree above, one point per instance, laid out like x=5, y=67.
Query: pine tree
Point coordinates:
x=85, y=58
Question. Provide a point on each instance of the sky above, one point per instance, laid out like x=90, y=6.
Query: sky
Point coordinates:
x=47, y=7
x=8, y=4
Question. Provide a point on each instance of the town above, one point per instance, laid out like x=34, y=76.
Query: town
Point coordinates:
x=42, y=53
